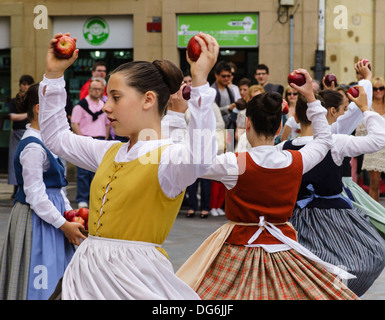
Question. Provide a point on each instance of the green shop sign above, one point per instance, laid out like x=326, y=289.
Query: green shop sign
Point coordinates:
x=230, y=30
x=96, y=31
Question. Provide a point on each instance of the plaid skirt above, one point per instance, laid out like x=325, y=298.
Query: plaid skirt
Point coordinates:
x=240, y=272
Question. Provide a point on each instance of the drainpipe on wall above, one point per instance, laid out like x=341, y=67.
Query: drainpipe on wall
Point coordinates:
x=319, y=67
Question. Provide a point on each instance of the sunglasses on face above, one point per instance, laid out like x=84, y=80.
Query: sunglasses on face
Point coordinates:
x=292, y=93
x=379, y=88
x=226, y=75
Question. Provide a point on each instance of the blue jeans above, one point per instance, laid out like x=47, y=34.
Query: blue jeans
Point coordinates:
x=83, y=183
x=205, y=194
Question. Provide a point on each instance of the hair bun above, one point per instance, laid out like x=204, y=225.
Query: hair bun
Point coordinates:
x=171, y=74
x=272, y=102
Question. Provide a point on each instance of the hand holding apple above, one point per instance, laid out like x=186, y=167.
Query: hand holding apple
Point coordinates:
x=363, y=67
x=330, y=81
x=178, y=102
x=55, y=66
x=296, y=78
x=72, y=232
x=194, y=49
x=209, y=53
x=353, y=92
x=358, y=95
x=306, y=89
x=64, y=47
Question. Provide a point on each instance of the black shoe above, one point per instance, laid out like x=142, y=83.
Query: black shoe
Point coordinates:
x=204, y=215
x=190, y=213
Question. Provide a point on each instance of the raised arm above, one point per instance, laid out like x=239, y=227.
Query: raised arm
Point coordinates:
x=352, y=146
x=314, y=151
x=82, y=151
x=182, y=163
x=349, y=121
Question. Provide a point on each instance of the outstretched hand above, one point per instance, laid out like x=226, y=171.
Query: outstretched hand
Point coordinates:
x=55, y=67
x=201, y=68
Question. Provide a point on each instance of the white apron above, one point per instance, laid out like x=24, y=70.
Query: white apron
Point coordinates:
x=113, y=269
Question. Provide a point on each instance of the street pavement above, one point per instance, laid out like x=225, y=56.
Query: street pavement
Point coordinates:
x=185, y=237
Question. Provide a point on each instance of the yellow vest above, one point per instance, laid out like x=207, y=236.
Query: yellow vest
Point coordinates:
x=127, y=201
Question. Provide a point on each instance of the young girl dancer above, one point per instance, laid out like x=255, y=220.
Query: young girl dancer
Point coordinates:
x=139, y=185
x=327, y=223
x=256, y=255
x=36, y=251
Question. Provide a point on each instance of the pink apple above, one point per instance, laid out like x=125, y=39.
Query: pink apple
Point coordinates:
x=64, y=47
x=296, y=78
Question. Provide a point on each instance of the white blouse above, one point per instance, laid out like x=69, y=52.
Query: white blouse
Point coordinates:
x=352, y=146
x=180, y=165
x=273, y=157
x=35, y=161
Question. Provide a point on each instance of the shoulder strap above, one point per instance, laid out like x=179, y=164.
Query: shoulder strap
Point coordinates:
x=84, y=104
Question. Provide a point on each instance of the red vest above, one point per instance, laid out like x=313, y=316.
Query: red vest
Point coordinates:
x=271, y=193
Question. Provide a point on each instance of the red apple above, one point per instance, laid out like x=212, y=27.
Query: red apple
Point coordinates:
x=78, y=220
x=329, y=78
x=285, y=107
x=86, y=225
x=365, y=61
x=68, y=215
x=83, y=212
x=186, y=92
x=354, y=92
x=64, y=47
x=296, y=78
x=194, y=49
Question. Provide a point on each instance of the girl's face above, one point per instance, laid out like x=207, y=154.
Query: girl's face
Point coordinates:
x=335, y=114
x=243, y=90
x=124, y=106
x=378, y=91
x=291, y=96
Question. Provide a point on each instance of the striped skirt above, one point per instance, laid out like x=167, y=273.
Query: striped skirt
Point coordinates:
x=16, y=253
x=345, y=238
x=240, y=272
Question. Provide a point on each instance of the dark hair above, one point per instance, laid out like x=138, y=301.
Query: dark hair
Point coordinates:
x=26, y=78
x=97, y=64
x=331, y=98
x=244, y=81
x=31, y=99
x=301, y=108
x=162, y=76
x=222, y=66
x=262, y=67
x=265, y=113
